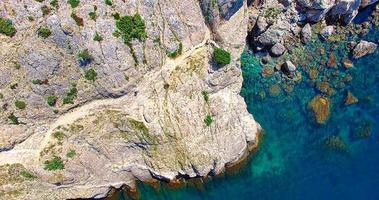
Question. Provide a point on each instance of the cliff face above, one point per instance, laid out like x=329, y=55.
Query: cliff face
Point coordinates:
x=155, y=107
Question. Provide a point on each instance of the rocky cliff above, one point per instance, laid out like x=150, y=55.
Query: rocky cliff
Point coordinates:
x=99, y=93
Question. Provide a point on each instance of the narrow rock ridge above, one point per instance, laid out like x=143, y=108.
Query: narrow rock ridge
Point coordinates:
x=145, y=115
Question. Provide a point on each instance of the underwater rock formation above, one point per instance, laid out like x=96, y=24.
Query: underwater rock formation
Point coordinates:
x=320, y=107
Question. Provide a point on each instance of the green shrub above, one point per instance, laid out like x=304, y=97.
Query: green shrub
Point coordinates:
x=72, y=93
x=27, y=175
x=92, y=15
x=84, y=57
x=208, y=120
x=132, y=27
x=20, y=104
x=44, y=32
x=54, y=3
x=90, y=74
x=74, y=3
x=45, y=10
x=116, y=16
x=71, y=153
x=13, y=119
x=40, y=1
x=51, y=100
x=221, y=56
x=1, y=96
x=108, y=2
x=177, y=52
x=30, y=18
x=6, y=27
x=205, y=95
x=97, y=37
x=58, y=135
x=54, y=164
x=79, y=21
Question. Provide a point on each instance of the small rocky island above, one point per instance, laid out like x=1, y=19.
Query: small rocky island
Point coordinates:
x=97, y=94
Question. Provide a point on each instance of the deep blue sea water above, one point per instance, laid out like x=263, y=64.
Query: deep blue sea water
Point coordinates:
x=294, y=160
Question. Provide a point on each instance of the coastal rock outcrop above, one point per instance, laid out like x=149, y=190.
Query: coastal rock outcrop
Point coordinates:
x=96, y=96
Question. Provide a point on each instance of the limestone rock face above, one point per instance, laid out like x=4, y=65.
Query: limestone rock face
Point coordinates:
x=144, y=115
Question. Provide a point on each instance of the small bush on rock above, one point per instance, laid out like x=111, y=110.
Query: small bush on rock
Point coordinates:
x=132, y=27
x=74, y=3
x=54, y=164
x=6, y=27
x=44, y=32
x=221, y=56
x=90, y=74
x=208, y=120
x=20, y=104
x=51, y=100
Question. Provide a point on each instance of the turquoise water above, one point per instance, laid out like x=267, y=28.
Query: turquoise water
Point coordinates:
x=295, y=160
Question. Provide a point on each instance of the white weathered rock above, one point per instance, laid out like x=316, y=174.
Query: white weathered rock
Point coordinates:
x=363, y=48
x=327, y=31
x=306, y=33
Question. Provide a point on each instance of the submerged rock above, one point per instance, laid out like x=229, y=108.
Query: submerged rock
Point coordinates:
x=336, y=143
x=350, y=99
x=363, y=48
x=320, y=106
x=347, y=63
x=364, y=130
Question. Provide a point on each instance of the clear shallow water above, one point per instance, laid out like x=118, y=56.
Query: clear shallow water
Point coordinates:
x=293, y=161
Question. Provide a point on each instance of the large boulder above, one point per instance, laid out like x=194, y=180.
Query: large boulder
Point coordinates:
x=363, y=48
x=306, y=33
x=278, y=49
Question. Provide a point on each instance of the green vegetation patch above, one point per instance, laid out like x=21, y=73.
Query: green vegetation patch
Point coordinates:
x=54, y=3
x=51, y=100
x=45, y=10
x=108, y=2
x=6, y=27
x=97, y=37
x=177, y=52
x=71, y=95
x=59, y=135
x=78, y=20
x=90, y=74
x=92, y=15
x=13, y=119
x=20, y=104
x=132, y=27
x=54, y=164
x=71, y=153
x=74, y=3
x=44, y=32
x=221, y=56
x=84, y=57
x=27, y=175
x=208, y=120
x=205, y=95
